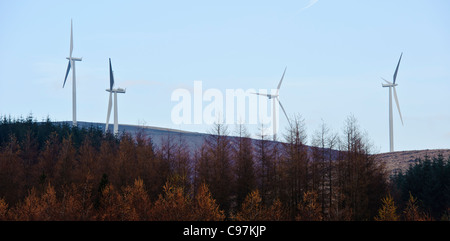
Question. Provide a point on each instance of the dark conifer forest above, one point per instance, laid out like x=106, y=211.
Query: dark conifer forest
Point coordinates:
x=52, y=171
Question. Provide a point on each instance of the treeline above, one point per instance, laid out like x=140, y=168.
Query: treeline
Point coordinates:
x=58, y=172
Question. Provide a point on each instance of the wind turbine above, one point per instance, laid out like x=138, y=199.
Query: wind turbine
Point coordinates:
x=276, y=99
x=74, y=84
x=391, y=86
x=111, y=91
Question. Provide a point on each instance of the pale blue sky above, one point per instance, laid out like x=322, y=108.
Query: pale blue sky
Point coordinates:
x=336, y=52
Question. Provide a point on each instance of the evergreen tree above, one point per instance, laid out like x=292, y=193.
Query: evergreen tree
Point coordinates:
x=428, y=181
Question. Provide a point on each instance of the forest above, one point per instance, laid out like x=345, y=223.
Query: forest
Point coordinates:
x=58, y=172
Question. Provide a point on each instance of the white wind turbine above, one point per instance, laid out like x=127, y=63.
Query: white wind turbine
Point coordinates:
x=391, y=86
x=111, y=91
x=276, y=99
x=74, y=84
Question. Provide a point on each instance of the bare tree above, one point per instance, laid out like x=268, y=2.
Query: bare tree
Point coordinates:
x=216, y=165
x=265, y=166
x=244, y=168
x=361, y=180
x=296, y=163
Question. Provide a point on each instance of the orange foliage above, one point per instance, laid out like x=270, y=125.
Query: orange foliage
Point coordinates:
x=3, y=210
x=309, y=209
x=205, y=207
x=172, y=205
x=252, y=208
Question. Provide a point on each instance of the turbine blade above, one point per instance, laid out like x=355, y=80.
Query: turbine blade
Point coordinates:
x=398, y=105
x=71, y=38
x=260, y=94
x=282, y=77
x=396, y=70
x=386, y=81
x=67, y=73
x=111, y=76
x=109, y=111
x=284, y=111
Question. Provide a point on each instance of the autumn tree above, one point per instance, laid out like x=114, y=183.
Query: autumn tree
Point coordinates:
x=388, y=212
x=107, y=157
x=360, y=178
x=309, y=209
x=181, y=166
x=110, y=205
x=29, y=155
x=11, y=171
x=172, y=205
x=4, y=208
x=87, y=166
x=296, y=163
x=252, y=209
x=48, y=158
x=136, y=203
x=28, y=209
x=205, y=208
x=244, y=167
x=77, y=202
x=324, y=155
x=125, y=167
x=412, y=211
x=36, y=207
x=166, y=155
x=203, y=167
x=149, y=165
x=265, y=166
x=49, y=206
x=277, y=212
x=65, y=164
x=218, y=159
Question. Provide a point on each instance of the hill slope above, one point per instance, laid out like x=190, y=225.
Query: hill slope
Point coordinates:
x=395, y=161
x=401, y=160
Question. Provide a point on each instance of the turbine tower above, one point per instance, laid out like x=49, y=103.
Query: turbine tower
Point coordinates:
x=391, y=86
x=111, y=91
x=276, y=99
x=74, y=84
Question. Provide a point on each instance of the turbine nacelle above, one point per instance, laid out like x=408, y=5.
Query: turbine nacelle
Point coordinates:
x=389, y=84
x=118, y=90
x=270, y=96
x=74, y=59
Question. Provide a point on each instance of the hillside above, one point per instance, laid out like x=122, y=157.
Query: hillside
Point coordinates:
x=401, y=160
x=395, y=161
